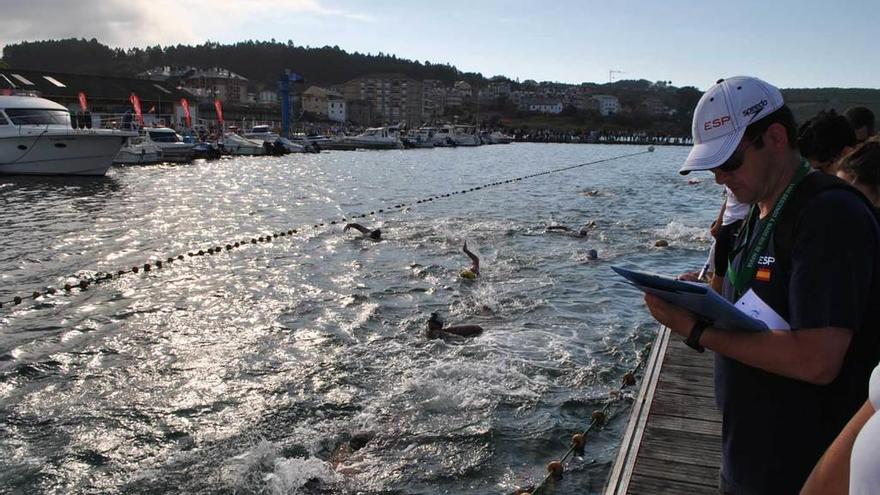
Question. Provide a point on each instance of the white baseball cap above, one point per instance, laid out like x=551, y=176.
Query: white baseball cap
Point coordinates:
x=721, y=118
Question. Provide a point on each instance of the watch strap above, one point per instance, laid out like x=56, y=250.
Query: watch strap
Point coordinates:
x=693, y=338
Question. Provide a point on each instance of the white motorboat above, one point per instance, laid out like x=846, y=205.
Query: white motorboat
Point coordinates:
x=239, y=145
x=375, y=138
x=36, y=137
x=441, y=137
x=465, y=135
x=263, y=134
x=174, y=149
x=421, y=138
x=138, y=151
x=498, y=137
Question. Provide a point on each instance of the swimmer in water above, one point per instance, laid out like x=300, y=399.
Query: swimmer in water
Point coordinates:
x=435, y=329
x=474, y=271
x=375, y=234
x=565, y=229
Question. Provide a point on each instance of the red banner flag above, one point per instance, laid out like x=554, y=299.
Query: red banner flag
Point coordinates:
x=219, y=108
x=185, y=105
x=82, y=101
x=136, y=103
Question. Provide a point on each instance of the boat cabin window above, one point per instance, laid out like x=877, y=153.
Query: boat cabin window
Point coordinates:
x=3, y=120
x=165, y=137
x=38, y=116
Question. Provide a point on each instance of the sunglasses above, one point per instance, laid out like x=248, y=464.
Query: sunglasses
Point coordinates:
x=736, y=159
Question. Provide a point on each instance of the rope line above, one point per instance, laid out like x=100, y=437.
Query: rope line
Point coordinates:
x=83, y=284
x=578, y=443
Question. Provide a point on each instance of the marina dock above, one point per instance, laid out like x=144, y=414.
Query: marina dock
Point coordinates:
x=672, y=443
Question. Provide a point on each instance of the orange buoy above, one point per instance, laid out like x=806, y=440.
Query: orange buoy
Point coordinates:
x=555, y=469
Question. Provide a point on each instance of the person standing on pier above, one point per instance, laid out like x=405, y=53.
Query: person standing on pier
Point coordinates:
x=810, y=251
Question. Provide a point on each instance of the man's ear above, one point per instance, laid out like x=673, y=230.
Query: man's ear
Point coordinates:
x=776, y=137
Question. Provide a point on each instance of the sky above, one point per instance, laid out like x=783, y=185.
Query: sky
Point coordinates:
x=791, y=44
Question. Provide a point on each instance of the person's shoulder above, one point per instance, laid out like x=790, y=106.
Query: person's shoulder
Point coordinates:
x=840, y=211
x=839, y=201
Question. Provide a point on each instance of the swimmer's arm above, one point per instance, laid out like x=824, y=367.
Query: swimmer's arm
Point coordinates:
x=360, y=228
x=464, y=330
x=475, y=260
x=558, y=227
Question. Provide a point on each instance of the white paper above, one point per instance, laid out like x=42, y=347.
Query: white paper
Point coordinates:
x=755, y=307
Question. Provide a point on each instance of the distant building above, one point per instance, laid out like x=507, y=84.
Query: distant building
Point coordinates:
x=433, y=99
x=394, y=97
x=608, y=104
x=463, y=88
x=654, y=106
x=267, y=97
x=584, y=102
x=216, y=82
x=166, y=73
x=337, y=110
x=314, y=100
x=160, y=102
x=498, y=88
x=360, y=112
x=545, y=105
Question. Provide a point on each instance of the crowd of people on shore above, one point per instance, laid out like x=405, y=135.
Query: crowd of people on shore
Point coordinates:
x=798, y=245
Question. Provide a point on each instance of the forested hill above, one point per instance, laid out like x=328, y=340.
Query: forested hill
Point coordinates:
x=259, y=61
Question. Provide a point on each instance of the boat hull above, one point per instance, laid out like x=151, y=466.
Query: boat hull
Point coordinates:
x=69, y=154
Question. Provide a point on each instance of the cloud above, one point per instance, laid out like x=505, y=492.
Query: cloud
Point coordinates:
x=129, y=23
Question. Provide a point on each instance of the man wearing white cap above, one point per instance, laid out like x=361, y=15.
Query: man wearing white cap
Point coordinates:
x=810, y=251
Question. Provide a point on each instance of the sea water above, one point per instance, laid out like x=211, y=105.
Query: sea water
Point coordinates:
x=300, y=365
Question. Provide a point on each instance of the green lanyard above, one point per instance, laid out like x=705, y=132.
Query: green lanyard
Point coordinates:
x=742, y=278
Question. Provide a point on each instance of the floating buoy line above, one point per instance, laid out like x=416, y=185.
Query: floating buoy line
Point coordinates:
x=578, y=442
x=84, y=284
x=555, y=469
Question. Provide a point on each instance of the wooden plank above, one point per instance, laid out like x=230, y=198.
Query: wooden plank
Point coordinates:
x=675, y=446
x=645, y=485
x=677, y=423
x=685, y=384
x=678, y=471
x=689, y=357
x=627, y=454
x=686, y=406
x=682, y=446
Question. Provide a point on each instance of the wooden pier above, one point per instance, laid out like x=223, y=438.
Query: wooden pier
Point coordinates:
x=672, y=443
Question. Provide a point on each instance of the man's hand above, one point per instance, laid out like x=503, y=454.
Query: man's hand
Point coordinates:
x=678, y=319
x=690, y=277
x=714, y=229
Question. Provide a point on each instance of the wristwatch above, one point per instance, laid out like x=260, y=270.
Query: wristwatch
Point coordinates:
x=693, y=339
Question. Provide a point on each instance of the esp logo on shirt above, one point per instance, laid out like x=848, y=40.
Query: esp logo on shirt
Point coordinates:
x=764, y=272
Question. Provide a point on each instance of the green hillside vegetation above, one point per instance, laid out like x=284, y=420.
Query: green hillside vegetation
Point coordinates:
x=259, y=61
x=805, y=103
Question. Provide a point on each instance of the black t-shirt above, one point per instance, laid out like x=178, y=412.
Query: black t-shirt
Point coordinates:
x=776, y=428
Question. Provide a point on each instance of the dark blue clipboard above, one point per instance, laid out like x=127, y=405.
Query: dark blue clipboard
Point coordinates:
x=695, y=297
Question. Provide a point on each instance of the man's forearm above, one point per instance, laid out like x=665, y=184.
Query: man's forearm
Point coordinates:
x=812, y=355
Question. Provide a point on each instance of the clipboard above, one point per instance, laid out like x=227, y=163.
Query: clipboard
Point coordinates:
x=696, y=297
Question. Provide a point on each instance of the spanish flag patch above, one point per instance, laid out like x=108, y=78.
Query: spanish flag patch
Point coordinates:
x=763, y=275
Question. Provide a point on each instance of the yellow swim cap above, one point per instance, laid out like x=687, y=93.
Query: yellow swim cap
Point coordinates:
x=468, y=274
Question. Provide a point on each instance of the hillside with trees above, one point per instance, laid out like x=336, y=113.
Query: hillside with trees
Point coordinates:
x=259, y=61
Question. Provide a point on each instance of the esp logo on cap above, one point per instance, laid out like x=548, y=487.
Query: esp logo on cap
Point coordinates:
x=715, y=123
